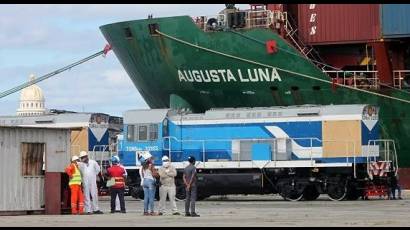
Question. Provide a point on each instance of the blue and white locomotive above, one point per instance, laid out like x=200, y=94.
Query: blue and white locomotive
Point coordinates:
x=298, y=151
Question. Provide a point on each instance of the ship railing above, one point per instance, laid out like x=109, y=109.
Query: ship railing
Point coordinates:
x=281, y=148
x=383, y=151
x=357, y=79
x=252, y=19
x=401, y=79
x=259, y=18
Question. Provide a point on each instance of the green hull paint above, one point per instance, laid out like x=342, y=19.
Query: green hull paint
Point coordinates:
x=152, y=62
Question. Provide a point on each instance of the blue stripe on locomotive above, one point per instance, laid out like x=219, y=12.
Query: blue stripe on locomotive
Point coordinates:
x=191, y=134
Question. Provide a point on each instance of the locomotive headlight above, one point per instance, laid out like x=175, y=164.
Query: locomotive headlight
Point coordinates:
x=312, y=179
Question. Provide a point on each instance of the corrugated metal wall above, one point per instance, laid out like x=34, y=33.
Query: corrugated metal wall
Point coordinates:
x=18, y=193
x=338, y=23
x=395, y=20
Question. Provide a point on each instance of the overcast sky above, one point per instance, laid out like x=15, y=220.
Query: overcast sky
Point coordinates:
x=42, y=38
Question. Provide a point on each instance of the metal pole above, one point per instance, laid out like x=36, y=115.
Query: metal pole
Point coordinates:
x=44, y=77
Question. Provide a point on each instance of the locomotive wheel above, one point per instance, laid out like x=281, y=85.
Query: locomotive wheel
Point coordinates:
x=337, y=191
x=310, y=193
x=291, y=190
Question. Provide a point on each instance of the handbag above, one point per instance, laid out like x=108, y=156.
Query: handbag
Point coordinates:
x=111, y=182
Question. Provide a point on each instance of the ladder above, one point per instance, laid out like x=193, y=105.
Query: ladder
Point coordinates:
x=306, y=50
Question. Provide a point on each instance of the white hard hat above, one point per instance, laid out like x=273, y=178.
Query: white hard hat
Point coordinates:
x=143, y=156
x=74, y=158
x=83, y=154
x=164, y=158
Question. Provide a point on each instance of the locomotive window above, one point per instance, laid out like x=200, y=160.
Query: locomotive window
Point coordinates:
x=142, y=133
x=130, y=132
x=153, y=131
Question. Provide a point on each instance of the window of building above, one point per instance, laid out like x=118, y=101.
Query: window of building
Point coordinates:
x=130, y=133
x=32, y=159
x=142, y=132
x=153, y=131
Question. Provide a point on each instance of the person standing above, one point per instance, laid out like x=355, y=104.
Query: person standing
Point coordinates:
x=90, y=169
x=394, y=185
x=167, y=174
x=190, y=181
x=117, y=200
x=117, y=172
x=77, y=199
x=147, y=174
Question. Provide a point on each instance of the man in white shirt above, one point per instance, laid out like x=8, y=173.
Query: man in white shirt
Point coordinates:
x=90, y=170
x=167, y=175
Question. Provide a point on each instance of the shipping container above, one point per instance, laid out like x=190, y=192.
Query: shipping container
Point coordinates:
x=395, y=20
x=321, y=24
x=27, y=155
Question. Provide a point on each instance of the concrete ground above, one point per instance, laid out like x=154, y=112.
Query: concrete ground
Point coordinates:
x=252, y=210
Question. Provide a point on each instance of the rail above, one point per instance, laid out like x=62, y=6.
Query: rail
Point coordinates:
x=401, y=79
x=382, y=150
x=259, y=18
x=103, y=154
x=357, y=79
x=279, y=148
x=251, y=19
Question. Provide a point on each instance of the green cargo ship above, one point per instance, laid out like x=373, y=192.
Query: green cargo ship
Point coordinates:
x=175, y=63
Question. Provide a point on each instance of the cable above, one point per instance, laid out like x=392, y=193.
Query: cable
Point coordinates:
x=284, y=70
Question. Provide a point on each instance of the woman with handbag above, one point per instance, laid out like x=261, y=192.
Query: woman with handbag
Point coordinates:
x=148, y=175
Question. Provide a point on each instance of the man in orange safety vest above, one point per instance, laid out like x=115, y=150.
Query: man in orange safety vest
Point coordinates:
x=77, y=198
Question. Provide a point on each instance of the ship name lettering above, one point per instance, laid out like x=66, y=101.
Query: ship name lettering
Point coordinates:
x=227, y=75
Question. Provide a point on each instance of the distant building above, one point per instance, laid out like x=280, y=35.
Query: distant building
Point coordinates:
x=32, y=102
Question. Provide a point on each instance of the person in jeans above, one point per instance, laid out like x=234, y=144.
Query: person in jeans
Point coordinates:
x=117, y=172
x=190, y=180
x=167, y=174
x=148, y=173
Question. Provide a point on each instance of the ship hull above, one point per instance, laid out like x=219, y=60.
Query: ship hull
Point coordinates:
x=167, y=72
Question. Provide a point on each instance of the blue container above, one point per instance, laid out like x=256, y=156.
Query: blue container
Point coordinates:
x=395, y=20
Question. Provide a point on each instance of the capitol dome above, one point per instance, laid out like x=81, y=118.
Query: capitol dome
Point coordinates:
x=31, y=100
